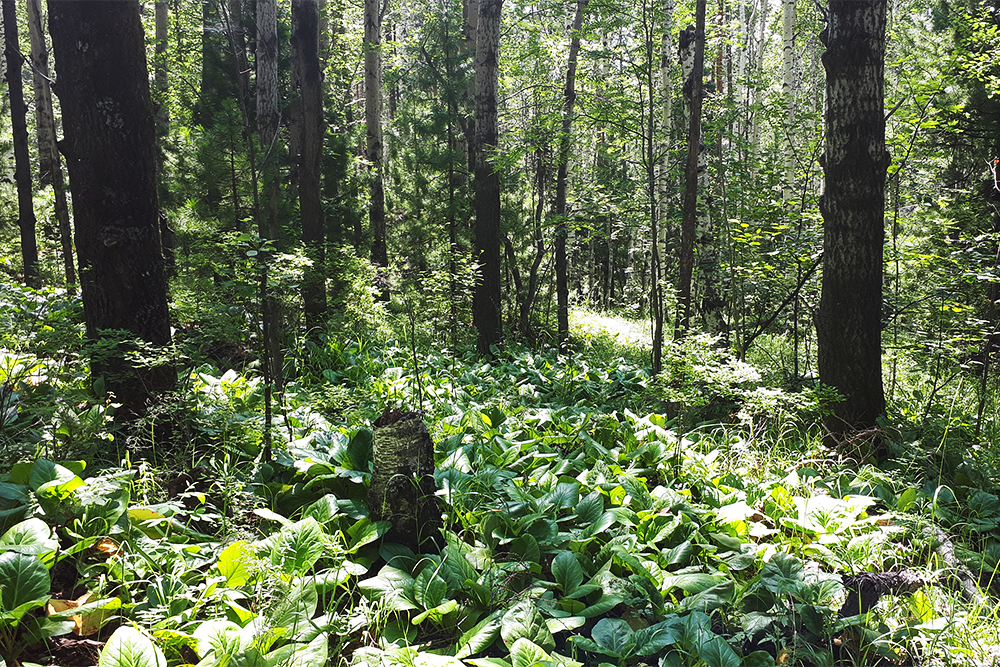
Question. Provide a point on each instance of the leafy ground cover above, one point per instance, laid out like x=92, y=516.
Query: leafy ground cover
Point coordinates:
x=594, y=516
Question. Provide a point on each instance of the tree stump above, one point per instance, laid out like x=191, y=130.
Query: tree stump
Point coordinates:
x=402, y=489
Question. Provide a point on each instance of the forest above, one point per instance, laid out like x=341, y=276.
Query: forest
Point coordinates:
x=556, y=333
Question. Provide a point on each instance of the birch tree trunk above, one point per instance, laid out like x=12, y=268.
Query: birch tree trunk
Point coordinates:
x=49, y=162
x=308, y=80
x=373, y=134
x=565, y=137
x=402, y=489
x=788, y=85
x=486, y=302
x=848, y=325
x=692, y=45
x=22, y=162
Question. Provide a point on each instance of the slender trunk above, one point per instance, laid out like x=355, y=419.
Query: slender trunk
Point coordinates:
x=788, y=88
x=692, y=44
x=373, y=132
x=486, y=302
x=49, y=162
x=562, y=230
x=309, y=81
x=22, y=162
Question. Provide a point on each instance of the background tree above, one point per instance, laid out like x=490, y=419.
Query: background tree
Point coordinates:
x=373, y=134
x=308, y=80
x=49, y=162
x=849, y=321
x=109, y=146
x=22, y=162
x=486, y=307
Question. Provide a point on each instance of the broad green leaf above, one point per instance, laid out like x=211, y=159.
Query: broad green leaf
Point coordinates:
x=717, y=653
x=234, y=564
x=567, y=571
x=297, y=547
x=24, y=584
x=592, y=530
x=614, y=636
x=557, y=625
x=526, y=546
x=525, y=653
x=652, y=640
x=524, y=620
x=783, y=574
x=392, y=586
x=564, y=496
x=218, y=638
x=429, y=589
x=363, y=532
x=32, y=537
x=906, y=499
x=437, y=614
x=323, y=510
x=268, y=515
x=590, y=508
x=488, y=662
x=480, y=637
x=602, y=606
x=300, y=654
x=128, y=647
x=711, y=598
x=758, y=659
x=691, y=583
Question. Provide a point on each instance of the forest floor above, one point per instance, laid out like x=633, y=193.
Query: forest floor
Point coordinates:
x=594, y=516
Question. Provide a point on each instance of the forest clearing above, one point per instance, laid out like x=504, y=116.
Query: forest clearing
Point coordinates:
x=478, y=333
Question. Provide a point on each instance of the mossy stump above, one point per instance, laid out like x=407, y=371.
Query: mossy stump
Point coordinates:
x=402, y=489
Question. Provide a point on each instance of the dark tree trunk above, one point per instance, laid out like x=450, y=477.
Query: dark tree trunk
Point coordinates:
x=402, y=489
x=689, y=221
x=309, y=81
x=22, y=162
x=486, y=304
x=849, y=323
x=562, y=230
x=110, y=152
x=373, y=132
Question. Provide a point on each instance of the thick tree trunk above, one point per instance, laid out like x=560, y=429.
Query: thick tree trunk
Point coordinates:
x=49, y=162
x=22, y=162
x=110, y=151
x=402, y=489
x=309, y=81
x=373, y=136
x=565, y=137
x=849, y=323
x=160, y=70
x=789, y=85
x=486, y=302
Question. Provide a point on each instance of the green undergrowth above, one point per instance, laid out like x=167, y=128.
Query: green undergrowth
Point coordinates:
x=594, y=515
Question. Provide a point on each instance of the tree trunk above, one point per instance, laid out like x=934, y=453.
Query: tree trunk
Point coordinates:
x=562, y=230
x=848, y=326
x=788, y=85
x=309, y=81
x=486, y=302
x=692, y=46
x=110, y=151
x=160, y=71
x=22, y=162
x=402, y=489
x=268, y=121
x=373, y=134
x=49, y=162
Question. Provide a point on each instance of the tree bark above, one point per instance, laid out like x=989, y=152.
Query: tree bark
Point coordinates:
x=849, y=322
x=110, y=152
x=565, y=137
x=22, y=162
x=373, y=138
x=402, y=489
x=308, y=78
x=692, y=46
x=486, y=302
x=49, y=162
